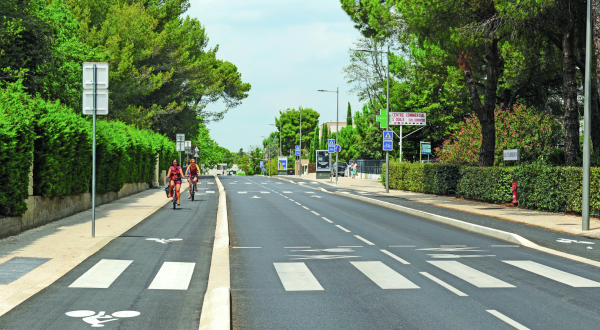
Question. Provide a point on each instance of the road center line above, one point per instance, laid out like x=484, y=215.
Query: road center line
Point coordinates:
x=349, y=246
x=342, y=228
x=395, y=257
x=297, y=247
x=326, y=219
x=402, y=246
x=507, y=319
x=305, y=208
x=297, y=203
x=364, y=240
x=315, y=213
x=245, y=247
x=444, y=284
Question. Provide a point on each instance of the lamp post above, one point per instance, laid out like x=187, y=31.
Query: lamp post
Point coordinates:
x=585, y=205
x=337, y=127
x=279, y=136
x=387, y=153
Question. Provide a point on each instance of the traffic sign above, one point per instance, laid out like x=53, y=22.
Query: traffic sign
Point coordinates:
x=388, y=145
x=338, y=148
x=426, y=148
x=266, y=156
x=196, y=150
x=297, y=150
x=101, y=75
x=262, y=164
x=101, y=102
x=388, y=136
x=264, y=169
x=196, y=155
x=408, y=118
x=331, y=145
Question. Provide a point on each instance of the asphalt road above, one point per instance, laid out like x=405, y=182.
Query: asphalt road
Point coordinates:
x=568, y=243
x=152, y=277
x=304, y=259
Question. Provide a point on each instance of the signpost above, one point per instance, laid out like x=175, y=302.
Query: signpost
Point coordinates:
x=180, y=144
x=338, y=148
x=331, y=150
x=512, y=154
x=407, y=119
x=388, y=140
x=262, y=164
x=425, y=150
x=94, y=76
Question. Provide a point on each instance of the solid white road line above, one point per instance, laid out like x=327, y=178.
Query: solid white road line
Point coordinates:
x=296, y=247
x=444, y=284
x=315, y=213
x=504, y=245
x=173, y=276
x=305, y=207
x=245, y=247
x=507, y=319
x=383, y=275
x=342, y=228
x=102, y=275
x=326, y=219
x=395, y=257
x=349, y=246
x=364, y=240
x=265, y=192
x=471, y=275
x=295, y=276
x=402, y=246
x=554, y=274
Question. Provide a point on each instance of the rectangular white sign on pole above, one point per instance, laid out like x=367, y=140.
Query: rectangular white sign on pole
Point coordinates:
x=408, y=118
x=511, y=154
x=101, y=75
x=101, y=102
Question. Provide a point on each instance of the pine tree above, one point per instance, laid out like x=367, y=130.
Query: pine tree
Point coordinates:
x=349, y=116
x=324, y=137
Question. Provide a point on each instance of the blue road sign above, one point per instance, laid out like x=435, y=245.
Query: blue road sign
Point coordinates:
x=388, y=145
x=262, y=164
x=338, y=148
x=425, y=149
x=264, y=169
x=331, y=145
x=297, y=150
x=388, y=136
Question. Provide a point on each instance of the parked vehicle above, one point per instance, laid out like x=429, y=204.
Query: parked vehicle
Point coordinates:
x=341, y=167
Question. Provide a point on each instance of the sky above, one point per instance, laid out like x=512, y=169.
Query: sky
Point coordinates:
x=287, y=50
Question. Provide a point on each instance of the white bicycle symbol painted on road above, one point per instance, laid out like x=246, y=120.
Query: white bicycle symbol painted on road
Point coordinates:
x=164, y=241
x=92, y=318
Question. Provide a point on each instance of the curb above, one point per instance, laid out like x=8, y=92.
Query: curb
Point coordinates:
x=491, y=232
x=216, y=308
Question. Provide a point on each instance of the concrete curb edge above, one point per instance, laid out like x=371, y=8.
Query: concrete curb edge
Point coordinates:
x=216, y=308
x=491, y=232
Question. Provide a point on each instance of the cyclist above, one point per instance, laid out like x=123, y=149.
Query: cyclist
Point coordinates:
x=175, y=174
x=192, y=172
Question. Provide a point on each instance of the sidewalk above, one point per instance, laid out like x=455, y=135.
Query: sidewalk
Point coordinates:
x=68, y=242
x=554, y=221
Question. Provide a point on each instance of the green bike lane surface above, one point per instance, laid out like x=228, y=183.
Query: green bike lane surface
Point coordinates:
x=154, y=276
x=560, y=241
x=292, y=269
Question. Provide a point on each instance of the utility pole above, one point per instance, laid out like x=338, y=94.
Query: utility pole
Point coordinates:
x=585, y=205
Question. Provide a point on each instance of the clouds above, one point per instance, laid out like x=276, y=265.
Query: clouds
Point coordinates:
x=286, y=49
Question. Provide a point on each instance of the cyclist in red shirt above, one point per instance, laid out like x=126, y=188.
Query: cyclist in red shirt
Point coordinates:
x=175, y=174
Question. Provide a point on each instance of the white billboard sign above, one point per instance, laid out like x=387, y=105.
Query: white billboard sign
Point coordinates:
x=408, y=118
x=101, y=75
x=511, y=154
x=101, y=102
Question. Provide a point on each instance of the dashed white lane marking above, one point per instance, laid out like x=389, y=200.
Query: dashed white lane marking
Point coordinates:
x=245, y=247
x=471, y=275
x=210, y=192
x=444, y=284
x=509, y=246
x=173, y=276
x=315, y=213
x=364, y=240
x=305, y=207
x=295, y=276
x=342, y=228
x=402, y=246
x=554, y=274
x=345, y=192
x=297, y=203
x=265, y=192
x=248, y=183
x=308, y=192
x=102, y=274
x=286, y=192
x=291, y=200
x=297, y=247
x=383, y=276
x=349, y=246
x=242, y=192
x=395, y=257
x=507, y=319
x=326, y=219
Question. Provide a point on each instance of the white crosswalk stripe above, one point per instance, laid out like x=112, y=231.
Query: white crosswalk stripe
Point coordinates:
x=173, y=276
x=554, y=274
x=102, y=274
x=295, y=276
x=383, y=276
x=471, y=275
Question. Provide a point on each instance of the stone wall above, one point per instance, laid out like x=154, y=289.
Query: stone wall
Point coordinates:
x=42, y=210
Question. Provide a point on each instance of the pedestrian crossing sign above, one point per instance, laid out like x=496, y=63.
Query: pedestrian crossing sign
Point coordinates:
x=388, y=135
x=331, y=145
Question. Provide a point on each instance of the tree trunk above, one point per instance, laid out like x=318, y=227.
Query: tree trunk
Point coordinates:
x=485, y=111
x=571, y=118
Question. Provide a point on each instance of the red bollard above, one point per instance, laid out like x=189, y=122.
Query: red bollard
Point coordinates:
x=515, y=200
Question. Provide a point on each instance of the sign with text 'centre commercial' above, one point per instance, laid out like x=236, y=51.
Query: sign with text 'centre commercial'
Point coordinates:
x=408, y=118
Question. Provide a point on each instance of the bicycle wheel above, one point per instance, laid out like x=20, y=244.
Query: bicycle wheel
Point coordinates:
x=174, y=200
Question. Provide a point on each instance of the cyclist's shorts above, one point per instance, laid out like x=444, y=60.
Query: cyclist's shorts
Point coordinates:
x=193, y=176
x=177, y=181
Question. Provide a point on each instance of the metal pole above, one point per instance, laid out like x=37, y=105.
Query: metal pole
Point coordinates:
x=337, y=131
x=94, y=158
x=400, y=143
x=585, y=205
x=420, y=153
x=300, y=156
x=387, y=153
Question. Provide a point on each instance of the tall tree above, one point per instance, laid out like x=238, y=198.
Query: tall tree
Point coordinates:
x=289, y=123
x=349, y=116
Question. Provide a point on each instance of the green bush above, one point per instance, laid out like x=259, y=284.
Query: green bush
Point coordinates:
x=425, y=178
x=16, y=149
x=487, y=184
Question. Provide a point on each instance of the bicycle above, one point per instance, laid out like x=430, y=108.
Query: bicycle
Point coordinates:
x=193, y=188
x=174, y=196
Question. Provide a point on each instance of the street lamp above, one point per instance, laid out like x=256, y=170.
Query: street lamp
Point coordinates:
x=387, y=153
x=279, y=137
x=337, y=129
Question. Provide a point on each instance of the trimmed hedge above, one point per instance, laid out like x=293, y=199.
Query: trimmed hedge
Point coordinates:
x=58, y=142
x=554, y=189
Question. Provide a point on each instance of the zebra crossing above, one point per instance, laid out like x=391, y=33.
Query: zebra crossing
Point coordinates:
x=297, y=276
x=171, y=275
